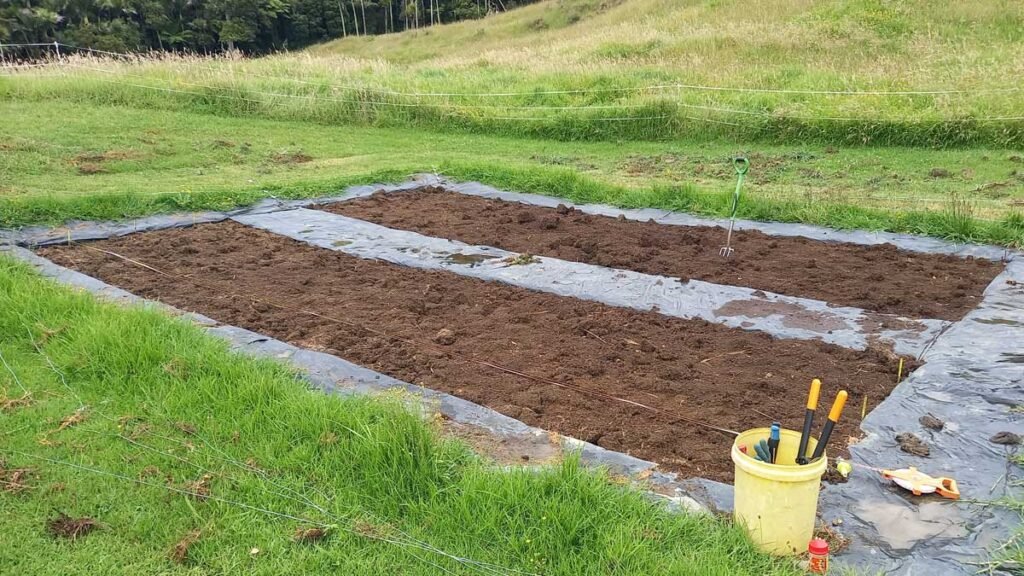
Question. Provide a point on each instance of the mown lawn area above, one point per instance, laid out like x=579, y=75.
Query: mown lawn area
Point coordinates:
x=102, y=161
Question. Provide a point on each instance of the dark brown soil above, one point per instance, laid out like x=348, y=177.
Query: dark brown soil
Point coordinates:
x=878, y=278
x=386, y=317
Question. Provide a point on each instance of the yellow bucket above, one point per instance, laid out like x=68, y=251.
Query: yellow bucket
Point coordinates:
x=776, y=502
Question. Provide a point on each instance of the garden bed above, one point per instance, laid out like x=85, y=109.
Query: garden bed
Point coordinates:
x=625, y=380
x=878, y=278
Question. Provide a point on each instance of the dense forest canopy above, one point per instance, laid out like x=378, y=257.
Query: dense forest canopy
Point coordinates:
x=255, y=26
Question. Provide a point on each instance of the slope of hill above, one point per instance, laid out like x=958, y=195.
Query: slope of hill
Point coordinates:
x=931, y=73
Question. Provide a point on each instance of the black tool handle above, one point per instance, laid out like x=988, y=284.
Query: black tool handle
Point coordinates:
x=823, y=440
x=805, y=436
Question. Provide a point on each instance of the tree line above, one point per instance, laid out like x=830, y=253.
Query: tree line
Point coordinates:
x=207, y=26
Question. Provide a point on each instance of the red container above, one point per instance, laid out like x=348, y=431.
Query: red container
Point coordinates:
x=818, y=551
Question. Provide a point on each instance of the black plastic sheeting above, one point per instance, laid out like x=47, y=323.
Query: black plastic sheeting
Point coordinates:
x=972, y=379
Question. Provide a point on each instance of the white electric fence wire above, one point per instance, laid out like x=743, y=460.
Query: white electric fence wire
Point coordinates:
x=14, y=375
x=455, y=107
x=370, y=103
x=677, y=86
x=666, y=86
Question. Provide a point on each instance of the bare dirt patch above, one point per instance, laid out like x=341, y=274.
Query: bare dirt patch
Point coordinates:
x=507, y=451
x=309, y=535
x=550, y=361
x=877, y=278
x=95, y=162
x=290, y=157
x=64, y=526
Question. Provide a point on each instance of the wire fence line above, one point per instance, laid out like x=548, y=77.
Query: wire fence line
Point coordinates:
x=449, y=108
x=651, y=87
x=453, y=108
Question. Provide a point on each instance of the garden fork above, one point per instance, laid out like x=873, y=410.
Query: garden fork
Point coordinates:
x=741, y=164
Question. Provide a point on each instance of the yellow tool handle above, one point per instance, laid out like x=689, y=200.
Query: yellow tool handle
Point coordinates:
x=837, y=406
x=812, y=398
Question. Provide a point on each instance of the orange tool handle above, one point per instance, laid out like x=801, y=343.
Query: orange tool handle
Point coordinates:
x=947, y=489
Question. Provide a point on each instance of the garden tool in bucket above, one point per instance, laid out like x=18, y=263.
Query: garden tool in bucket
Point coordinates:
x=741, y=164
x=777, y=502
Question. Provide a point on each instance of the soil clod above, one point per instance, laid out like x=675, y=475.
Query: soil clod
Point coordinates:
x=64, y=526
x=1005, y=438
x=445, y=337
x=911, y=444
x=833, y=476
x=930, y=422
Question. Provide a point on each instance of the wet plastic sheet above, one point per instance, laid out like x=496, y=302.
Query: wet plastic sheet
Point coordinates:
x=973, y=379
x=737, y=307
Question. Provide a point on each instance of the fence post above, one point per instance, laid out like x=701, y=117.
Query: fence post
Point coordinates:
x=2, y=58
x=56, y=47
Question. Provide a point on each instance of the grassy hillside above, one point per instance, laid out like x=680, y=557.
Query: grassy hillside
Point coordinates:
x=611, y=70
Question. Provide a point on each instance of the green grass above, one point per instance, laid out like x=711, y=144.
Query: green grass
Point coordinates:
x=364, y=466
x=102, y=162
x=609, y=54
x=1009, y=555
x=104, y=139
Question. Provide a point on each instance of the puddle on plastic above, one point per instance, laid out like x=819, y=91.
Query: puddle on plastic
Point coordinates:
x=341, y=243
x=902, y=526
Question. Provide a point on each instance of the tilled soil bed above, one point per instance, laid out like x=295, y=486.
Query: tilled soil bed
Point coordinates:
x=498, y=345
x=878, y=278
